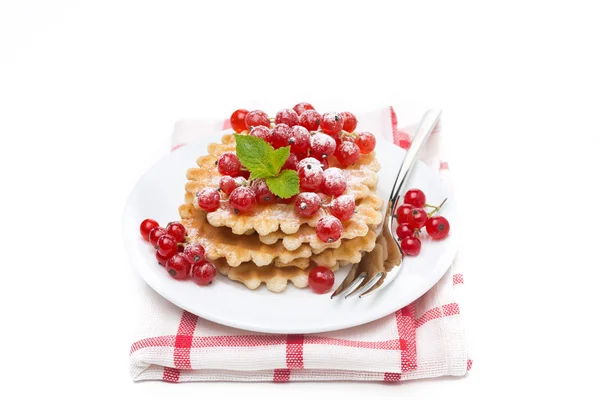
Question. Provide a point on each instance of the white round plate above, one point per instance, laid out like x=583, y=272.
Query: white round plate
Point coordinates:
x=158, y=195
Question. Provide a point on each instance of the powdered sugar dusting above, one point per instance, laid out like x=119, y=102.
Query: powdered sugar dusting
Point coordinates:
x=321, y=140
x=309, y=160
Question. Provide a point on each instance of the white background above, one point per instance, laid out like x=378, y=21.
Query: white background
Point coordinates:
x=89, y=93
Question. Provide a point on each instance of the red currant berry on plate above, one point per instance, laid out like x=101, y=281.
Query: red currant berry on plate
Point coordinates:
x=178, y=266
x=176, y=230
x=335, y=182
x=238, y=120
x=286, y=116
x=349, y=121
x=155, y=234
x=347, y=153
x=320, y=279
x=310, y=119
x=402, y=213
x=343, y=207
x=365, y=142
x=321, y=146
x=291, y=162
x=146, y=226
x=301, y=107
x=166, y=244
x=245, y=174
x=415, y=197
x=257, y=118
x=300, y=140
x=203, y=273
x=261, y=132
x=229, y=164
x=329, y=229
x=332, y=123
x=403, y=230
x=417, y=218
x=209, y=199
x=263, y=193
x=242, y=200
x=289, y=200
x=194, y=253
x=307, y=204
x=227, y=184
x=162, y=260
x=437, y=227
x=411, y=246
x=311, y=177
x=282, y=136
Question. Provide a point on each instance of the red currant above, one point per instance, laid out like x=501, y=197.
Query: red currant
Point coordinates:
x=291, y=162
x=146, y=226
x=332, y=123
x=329, y=229
x=180, y=247
x=227, y=184
x=242, y=200
x=176, y=230
x=209, y=199
x=403, y=230
x=402, y=213
x=286, y=116
x=349, y=121
x=437, y=227
x=343, y=207
x=300, y=140
x=289, y=200
x=282, y=136
x=415, y=197
x=203, y=273
x=245, y=174
x=311, y=177
x=335, y=182
x=194, y=253
x=155, y=234
x=178, y=266
x=417, y=218
x=366, y=142
x=167, y=244
x=162, y=260
x=306, y=161
x=321, y=146
x=229, y=164
x=257, y=118
x=238, y=120
x=320, y=279
x=261, y=132
x=262, y=191
x=411, y=246
x=324, y=163
x=310, y=119
x=301, y=107
x=307, y=204
x=347, y=153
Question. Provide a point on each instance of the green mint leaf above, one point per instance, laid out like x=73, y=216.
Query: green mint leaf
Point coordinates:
x=278, y=158
x=254, y=154
x=284, y=185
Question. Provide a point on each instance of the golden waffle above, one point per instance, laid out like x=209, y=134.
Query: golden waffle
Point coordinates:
x=222, y=243
x=367, y=215
x=265, y=219
x=275, y=278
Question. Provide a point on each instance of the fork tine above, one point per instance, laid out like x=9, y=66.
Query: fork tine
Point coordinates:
x=354, y=285
x=372, y=282
x=372, y=289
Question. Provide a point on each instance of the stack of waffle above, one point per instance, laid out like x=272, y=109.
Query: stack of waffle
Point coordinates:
x=272, y=244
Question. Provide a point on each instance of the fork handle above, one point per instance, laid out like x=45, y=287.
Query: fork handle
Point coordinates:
x=426, y=126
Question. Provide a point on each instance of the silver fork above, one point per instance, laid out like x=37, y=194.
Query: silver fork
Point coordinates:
x=426, y=126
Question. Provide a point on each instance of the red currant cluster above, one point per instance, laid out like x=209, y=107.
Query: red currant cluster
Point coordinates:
x=297, y=128
x=412, y=217
x=181, y=260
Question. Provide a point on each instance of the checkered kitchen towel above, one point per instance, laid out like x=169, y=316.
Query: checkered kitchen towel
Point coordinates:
x=422, y=340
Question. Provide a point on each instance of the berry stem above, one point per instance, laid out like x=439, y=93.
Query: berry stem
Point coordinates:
x=435, y=208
